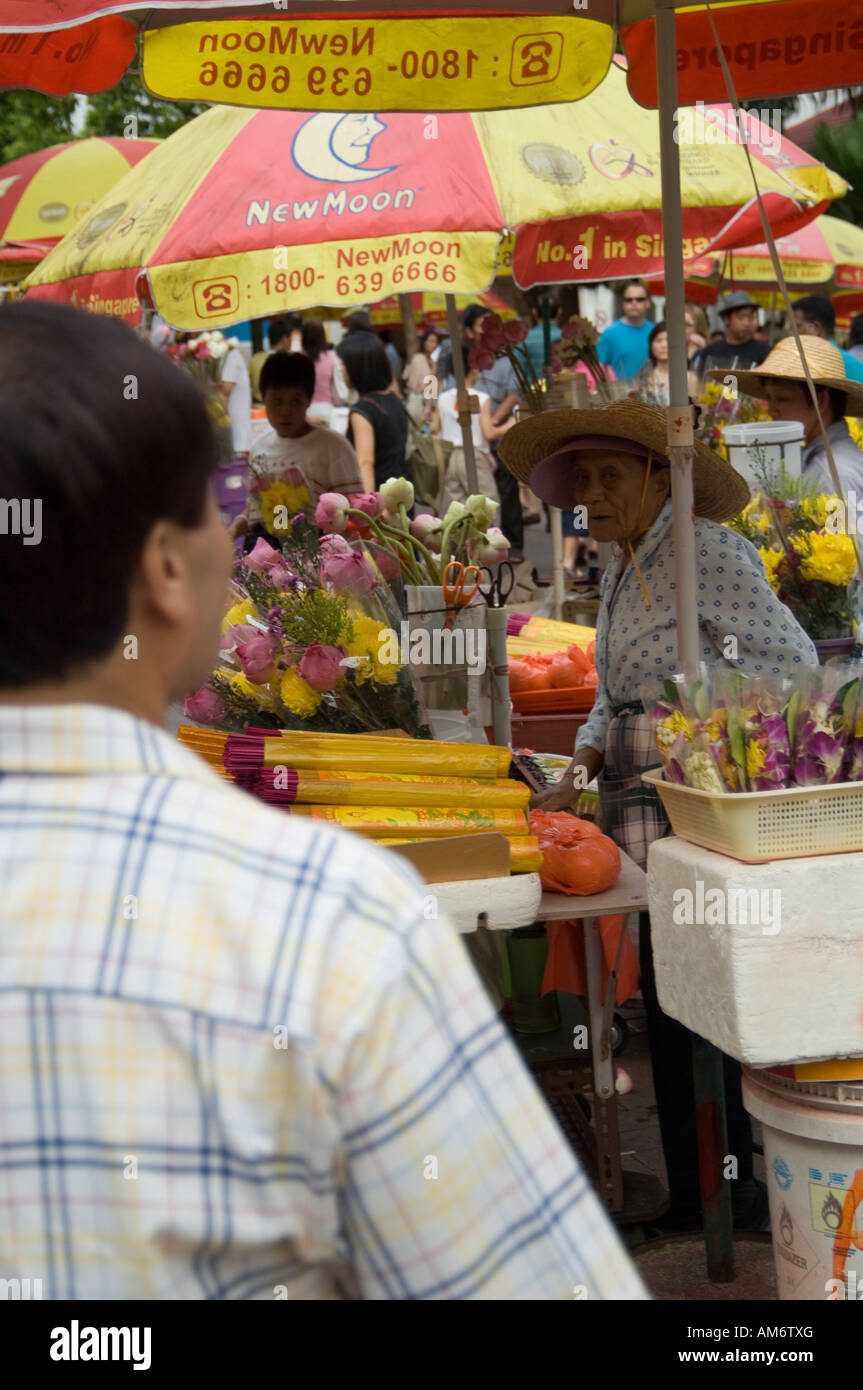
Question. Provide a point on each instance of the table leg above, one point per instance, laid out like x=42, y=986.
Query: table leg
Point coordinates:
x=605, y=1096
x=710, y=1125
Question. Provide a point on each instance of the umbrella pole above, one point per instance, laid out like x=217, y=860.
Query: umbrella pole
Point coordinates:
x=463, y=400
x=710, y=1113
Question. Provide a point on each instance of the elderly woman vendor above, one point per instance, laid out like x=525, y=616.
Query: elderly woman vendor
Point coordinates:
x=611, y=460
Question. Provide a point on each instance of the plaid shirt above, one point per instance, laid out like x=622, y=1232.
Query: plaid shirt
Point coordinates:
x=236, y=1060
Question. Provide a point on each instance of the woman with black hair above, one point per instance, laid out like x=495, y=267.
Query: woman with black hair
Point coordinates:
x=378, y=421
x=651, y=383
x=318, y=350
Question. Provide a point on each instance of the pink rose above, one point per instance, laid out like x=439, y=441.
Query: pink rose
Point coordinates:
x=334, y=545
x=351, y=573
x=491, y=332
x=240, y=632
x=481, y=358
x=428, y=530
x=321, y=666
x=202, y=352
x=369, y=502
x=331, y=513
x=387, y=564
x=205, y=706
x=514, y=332
x=257, y=658
x=280, y=577
x=262, y=557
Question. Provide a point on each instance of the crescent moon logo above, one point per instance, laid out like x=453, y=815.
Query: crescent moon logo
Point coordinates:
x=331, y=147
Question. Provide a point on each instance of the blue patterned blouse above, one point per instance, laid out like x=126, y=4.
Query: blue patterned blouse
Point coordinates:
x=636, y=646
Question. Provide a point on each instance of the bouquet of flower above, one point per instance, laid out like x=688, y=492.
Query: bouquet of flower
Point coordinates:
x=577, y=345
x=418, y=548
x=719, y=406
x=281, y=500
x=499, y=339
x=810, y=564
x=203, y=356
x=822, y=720
x=309, y=642
x=755, y=729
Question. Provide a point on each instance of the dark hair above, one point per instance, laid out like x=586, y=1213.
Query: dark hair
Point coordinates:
x=855, y=333
x=472, y=313
x=314, y=339
x=288, y=369
x=639, y=285
x=837, y=398
x=817, y=309
x=360, y=322
x=661, y=327
x=424, y=337
x=366, y=362
x=280, y=328
x=122, y=433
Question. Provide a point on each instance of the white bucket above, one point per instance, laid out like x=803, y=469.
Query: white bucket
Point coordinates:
x=764, y=445
x=813, y=1150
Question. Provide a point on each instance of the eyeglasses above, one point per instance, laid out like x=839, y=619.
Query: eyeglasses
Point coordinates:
x=636, y=299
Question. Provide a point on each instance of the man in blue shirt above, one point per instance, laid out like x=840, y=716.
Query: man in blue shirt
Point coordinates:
x=814, y=314
x=623, y=346
x=535, y=340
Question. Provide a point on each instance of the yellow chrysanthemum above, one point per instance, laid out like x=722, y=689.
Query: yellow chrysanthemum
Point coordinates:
x=826, y=557
x=298, y=695
x=281, y=494
x=368, y=638
x=243, y=686
x=771, y=560
x=240, y=613
x=856, y=428
x=754, y=759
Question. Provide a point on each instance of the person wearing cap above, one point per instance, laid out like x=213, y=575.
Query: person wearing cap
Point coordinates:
x=739, y=347
x=781, y=382
x=612, y=461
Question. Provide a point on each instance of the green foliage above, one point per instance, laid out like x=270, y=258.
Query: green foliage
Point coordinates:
x=842, y=151
x=30, y=122
x=128, y=110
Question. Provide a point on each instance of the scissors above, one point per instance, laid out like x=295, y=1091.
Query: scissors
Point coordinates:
x=456, y=581
x=498, y=589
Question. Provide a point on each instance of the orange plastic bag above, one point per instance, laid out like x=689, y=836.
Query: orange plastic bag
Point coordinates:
x=569, y=668
x=565, y=968
x=529, y=673
x=576, y=857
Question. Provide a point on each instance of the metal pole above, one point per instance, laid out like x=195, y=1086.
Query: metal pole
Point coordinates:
x=556, y=519
x=680, y=434
x=501, y=705
x=465, y=403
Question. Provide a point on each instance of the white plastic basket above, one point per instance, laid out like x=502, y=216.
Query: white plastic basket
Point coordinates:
x=757, y=826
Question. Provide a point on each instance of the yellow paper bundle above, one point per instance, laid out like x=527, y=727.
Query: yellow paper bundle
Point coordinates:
x=404, y=789
x=525, y=856
x=359, y=753
x=418, y=822
x=543, y=635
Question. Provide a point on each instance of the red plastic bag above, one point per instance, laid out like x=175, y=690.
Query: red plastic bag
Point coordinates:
x=576, y=857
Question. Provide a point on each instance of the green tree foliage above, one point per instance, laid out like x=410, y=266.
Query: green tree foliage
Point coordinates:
x=128, y=110
x=30, y=121
x=842, y=151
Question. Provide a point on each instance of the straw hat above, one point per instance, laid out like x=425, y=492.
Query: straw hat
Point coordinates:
x=784, y=363
x=540, y=451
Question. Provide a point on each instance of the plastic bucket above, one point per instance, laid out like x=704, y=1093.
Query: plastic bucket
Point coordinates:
x=764, y=444
x=813, y=1150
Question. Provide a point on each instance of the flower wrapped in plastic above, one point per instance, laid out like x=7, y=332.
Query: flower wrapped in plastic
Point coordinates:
x=822, y=718
x=756, y=729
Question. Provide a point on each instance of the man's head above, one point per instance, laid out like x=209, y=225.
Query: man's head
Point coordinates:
x=280, y=331
x=636, y=303
x=360, y=322
x=739, y=316
x=122, y=600
x=790, y=400
x=814, y=316
x=471, y=321
x=287, y=387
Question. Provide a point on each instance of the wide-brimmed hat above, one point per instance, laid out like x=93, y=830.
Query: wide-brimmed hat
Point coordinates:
x=737, y=300
x=541, y=451
x=784, y=363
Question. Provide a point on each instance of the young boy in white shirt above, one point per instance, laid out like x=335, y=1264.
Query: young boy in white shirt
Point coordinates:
x=325, y=459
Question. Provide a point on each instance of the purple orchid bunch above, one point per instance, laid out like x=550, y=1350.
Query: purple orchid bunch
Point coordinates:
x=672, y=734
x=822, y=718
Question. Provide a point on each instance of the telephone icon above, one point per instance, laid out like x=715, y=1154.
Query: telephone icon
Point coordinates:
x=535, y=58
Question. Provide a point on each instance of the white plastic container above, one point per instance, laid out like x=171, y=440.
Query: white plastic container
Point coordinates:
x=770, y=442
x=813, y=1152
x=757, y=826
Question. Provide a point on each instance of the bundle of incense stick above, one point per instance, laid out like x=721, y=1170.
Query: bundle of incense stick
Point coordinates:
x=284, y=786
x=525, y=856
x=418, y=822
x=208, y=743
x=359, y=753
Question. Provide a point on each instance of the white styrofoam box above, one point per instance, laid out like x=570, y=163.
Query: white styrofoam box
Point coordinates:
x=781, y=983
x=507, y=902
